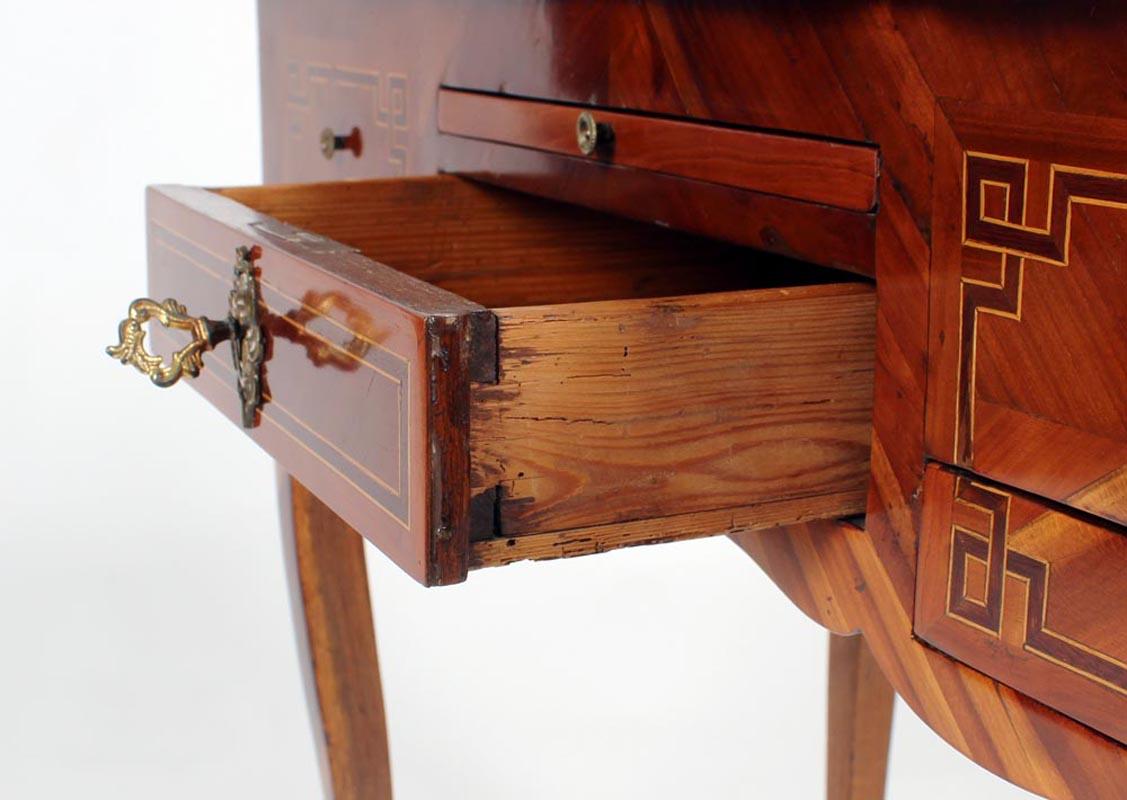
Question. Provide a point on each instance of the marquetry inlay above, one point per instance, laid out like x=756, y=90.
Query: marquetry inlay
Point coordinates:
x=378, y=99
x=996, y=220
x=980, y=532
x=333, y=334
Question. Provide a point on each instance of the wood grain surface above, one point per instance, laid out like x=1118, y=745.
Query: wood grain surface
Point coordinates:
x=859, y=722
x=820, y=234
x=617, y=411
x=1025, y=593
x=816, y=170
x=498, y=551
x=1029, y=331
x=500, y=248
x=339, y=326
x=835, y=574
x=880, y=72
x=337, y=645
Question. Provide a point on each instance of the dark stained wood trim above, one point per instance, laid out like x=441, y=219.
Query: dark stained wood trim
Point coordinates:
x=448, y=350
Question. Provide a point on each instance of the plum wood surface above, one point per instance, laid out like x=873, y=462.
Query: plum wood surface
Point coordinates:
x=339, y=325
x=1029, y=329
x=859, y=722
x=337, y=645
x=590, y=414
x=834, y=573
x=882, y=72
x=815, y=170
x=1027, y=594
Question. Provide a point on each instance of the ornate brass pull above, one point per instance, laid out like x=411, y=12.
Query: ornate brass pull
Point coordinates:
x=241, y=327
x=171, y=314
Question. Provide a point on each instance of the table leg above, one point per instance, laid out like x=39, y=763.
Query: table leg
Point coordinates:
x=336, y=641
x=860, y=721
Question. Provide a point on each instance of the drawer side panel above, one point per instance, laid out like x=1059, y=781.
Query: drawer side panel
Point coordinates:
x=618, y=411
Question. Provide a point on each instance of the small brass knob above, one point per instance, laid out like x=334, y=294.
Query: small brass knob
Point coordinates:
x=591, y=135
x=331, y=142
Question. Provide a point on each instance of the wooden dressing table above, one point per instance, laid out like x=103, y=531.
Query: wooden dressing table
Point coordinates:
x=843, y=281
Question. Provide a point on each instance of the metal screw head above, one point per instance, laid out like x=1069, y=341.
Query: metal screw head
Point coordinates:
x=586, y=133
x=328, y=143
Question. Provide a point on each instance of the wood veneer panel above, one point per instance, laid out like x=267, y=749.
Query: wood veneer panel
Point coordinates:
x=814, y=170
x=834, y=572
x=1044, y=614
x=344, y=329
x=1027, y=331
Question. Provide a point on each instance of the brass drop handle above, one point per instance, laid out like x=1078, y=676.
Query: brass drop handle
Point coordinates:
x=241, y=328
x=591, y=135
x=171, y=314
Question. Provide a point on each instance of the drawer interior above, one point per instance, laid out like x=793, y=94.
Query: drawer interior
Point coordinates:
x=502, y=249
x=642, y=384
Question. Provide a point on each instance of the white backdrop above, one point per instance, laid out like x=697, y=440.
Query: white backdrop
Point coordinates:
x=145, y=640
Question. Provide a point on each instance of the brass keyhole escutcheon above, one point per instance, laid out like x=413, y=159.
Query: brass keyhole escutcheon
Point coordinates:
x=241, y=328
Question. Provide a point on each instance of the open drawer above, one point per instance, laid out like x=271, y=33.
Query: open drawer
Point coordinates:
x=470, y=376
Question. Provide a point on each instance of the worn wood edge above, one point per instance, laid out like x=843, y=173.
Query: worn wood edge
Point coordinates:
x=448, y=347
x=496, y=552
x=705, y=300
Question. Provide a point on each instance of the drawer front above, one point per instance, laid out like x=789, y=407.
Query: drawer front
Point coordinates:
x=355, y=353
x=1028, y=594
x=1028, y=351
x=813, y=170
